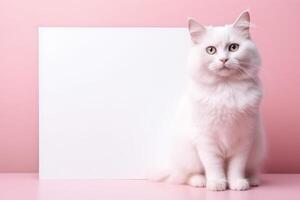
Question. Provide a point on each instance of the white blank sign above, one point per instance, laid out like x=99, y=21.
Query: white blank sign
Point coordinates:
x=103, y=95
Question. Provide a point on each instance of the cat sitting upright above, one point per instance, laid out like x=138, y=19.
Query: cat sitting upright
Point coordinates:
x=218, y=138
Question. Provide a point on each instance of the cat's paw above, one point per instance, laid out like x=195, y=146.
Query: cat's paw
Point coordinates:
x=216, y=184
x=239, y=184
x=197, y=180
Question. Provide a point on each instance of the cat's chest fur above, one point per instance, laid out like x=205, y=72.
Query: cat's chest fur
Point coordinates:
x=226, y=98
x=225, y=113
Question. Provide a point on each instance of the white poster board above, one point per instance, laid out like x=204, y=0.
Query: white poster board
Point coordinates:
x=103, y=93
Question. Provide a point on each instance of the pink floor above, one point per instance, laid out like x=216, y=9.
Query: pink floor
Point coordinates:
x=27, y=187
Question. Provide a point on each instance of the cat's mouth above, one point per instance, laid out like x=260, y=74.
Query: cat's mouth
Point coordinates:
x=225, y=71
x=224, y=67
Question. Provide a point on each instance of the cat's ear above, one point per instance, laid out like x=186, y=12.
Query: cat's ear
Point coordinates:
x=196, y=30
x=242, y=23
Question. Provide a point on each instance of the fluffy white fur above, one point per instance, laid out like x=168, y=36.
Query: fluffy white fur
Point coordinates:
x=218, y=136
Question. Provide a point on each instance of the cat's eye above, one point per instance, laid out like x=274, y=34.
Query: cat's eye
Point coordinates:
x=211, y=50
x=233, y=47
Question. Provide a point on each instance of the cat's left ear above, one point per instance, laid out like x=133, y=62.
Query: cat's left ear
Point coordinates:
x=196, y=30
x=242, y=23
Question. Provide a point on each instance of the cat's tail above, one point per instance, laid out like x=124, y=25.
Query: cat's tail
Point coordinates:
x=159, y=176
x=168, y=176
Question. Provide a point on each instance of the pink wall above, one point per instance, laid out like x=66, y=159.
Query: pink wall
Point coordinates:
x=277, y=35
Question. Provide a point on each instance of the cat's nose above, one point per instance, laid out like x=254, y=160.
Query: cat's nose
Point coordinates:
x=223, y=60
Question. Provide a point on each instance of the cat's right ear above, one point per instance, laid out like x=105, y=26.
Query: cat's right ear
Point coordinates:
x=196, y=30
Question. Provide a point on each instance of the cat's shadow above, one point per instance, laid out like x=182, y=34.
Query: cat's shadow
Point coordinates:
x=203, y=193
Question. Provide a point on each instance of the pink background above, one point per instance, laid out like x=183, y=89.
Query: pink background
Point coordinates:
x=277, y=36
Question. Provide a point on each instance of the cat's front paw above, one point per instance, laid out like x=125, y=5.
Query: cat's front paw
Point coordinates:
x=216, y=184
x=239, y=184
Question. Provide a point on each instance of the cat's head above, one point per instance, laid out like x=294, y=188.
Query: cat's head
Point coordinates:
x=223, y=52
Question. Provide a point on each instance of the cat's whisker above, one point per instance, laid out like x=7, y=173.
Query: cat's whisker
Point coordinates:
x=249, y=75
x=237, y=66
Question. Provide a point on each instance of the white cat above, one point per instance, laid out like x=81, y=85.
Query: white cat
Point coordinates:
x=218, y=135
